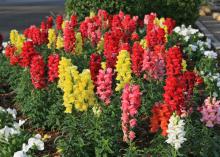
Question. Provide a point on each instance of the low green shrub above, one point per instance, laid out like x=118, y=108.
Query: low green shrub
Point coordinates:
x=183, y=11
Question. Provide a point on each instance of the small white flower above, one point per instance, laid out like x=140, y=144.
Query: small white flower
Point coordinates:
x=20, y=154
x=193, y=47
x=2, y=109
x=26, y=147
x=13, y=112
x=7, y=131
x=211, y=54
x=36, y=141
x=4, y=44
x=215, y=95
x=176, y=133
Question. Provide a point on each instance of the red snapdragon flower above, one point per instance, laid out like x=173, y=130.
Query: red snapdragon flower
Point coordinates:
x=37, y=71
x=69, y=38
x=137, y=58
x=27, y=53
x=53, y=62
x=94, y=66
x=59, y=22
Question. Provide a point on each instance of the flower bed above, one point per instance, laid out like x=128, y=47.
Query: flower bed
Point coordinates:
x=116, y=85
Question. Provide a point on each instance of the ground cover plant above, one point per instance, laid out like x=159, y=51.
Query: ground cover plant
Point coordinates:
x=115, y=85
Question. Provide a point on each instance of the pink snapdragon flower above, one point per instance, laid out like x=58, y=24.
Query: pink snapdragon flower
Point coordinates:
x=210, y=112
x=104, y=85
x=131, y=101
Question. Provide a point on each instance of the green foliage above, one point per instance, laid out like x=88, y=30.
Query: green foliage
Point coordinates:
x=13, y=144
x=183, y=11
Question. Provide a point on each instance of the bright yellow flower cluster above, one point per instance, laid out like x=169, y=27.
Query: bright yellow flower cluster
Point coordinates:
x=66, y=69
x=184, y=65
x=51, y=38
x=100, y=45
x=84, y=91
x=59, y=43
x=78, y=88
x=17, y=39
x=143, y=43
x=123, y=69
x=79, y=44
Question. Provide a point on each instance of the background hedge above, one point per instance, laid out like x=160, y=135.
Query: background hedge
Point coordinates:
x=183, y=11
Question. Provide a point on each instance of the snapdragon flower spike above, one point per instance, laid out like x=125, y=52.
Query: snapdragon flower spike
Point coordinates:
x=95, y=65
x=37, y=71
x=210, y=112
x=69, y=38
x=104, y=85
x=111, y=46
x=37, y=35
x=10, y=52
x=131, y=102
x=153, y=64
x=176, y=132
x=59, y=22
x=137, y=58
x=53, y=63
x=27, y=53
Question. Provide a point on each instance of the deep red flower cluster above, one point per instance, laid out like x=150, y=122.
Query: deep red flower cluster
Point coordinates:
x=155, y=34
x=53, y=63
x=111, y=47
x=124, y=25
x=27, y=53
x=170, y=23
x=10, y=52
x=174, y=92
x=49, y=22
x=69, y=38
x=91, y=27
x=73, y=21
x=37, y=35
x=37, y=71
x=94, y=66
x=137, y=58
x=59, y=22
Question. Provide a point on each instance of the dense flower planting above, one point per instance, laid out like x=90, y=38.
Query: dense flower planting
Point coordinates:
x=117, y=85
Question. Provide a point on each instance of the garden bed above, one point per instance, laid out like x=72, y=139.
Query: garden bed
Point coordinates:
x=110, y=85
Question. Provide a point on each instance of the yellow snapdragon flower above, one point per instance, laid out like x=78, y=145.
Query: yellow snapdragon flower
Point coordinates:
x=184, y=65
x=79, y=44
x=123, y=69
x=17, y=40
x=59, y=43
x=78, y=87
x=51, y=38
x=143, y=43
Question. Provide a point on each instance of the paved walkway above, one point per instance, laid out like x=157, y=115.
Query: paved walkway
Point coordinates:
x=19, y=14
x=211, y=28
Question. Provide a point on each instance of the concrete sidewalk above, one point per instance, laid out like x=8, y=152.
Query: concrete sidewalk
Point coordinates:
x=20, y=14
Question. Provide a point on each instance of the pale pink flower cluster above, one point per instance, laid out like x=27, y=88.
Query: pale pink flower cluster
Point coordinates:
x=104, y=85
x=131, y=101
x=210, y=112
x=153, y=65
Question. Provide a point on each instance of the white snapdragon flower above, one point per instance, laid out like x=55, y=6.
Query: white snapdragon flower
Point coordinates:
x=36, y=141
x=211, y=54
x=20, y=154
x=176, y=133
x=4, y=44
x=12, y=112
x=7, y=131
x=193, y=47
